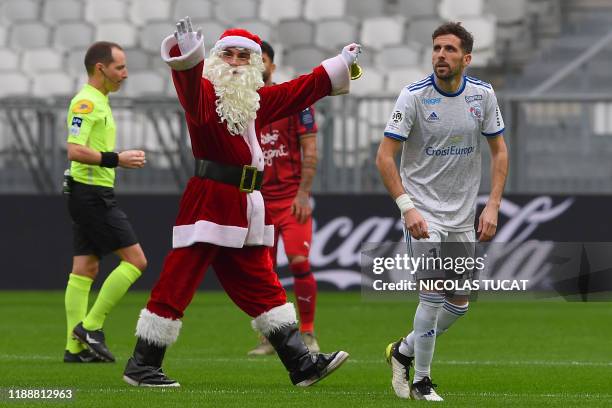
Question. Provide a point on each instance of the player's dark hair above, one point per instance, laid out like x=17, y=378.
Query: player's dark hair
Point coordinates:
x=101, y=51
x=456, y=29
x=268, y=50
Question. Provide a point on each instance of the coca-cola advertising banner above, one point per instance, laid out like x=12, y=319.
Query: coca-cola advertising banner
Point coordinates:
x=37, y=233
x=538, y=245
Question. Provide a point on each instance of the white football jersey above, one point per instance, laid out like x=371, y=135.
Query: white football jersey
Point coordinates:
x=442, y=132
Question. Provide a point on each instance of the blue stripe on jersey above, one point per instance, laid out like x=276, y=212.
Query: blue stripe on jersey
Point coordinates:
x=484, y=85
x=396, y=137
x=419, y=82
x=493, y=134
x=478, y=80
x=417, y=87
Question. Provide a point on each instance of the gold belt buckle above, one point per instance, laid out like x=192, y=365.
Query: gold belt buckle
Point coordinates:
x=245, y=169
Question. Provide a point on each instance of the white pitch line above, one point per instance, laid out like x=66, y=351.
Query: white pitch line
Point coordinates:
x=351, y=360
x=283, y=390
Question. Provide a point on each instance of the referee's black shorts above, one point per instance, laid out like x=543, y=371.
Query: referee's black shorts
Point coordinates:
x=99, y=226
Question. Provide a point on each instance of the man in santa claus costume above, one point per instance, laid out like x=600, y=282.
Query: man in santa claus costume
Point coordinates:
x=222, y=221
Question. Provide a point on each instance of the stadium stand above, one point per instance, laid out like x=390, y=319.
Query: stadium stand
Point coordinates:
x=395, y=34
x=274, y=11
x=9, y=60
x=40, y=60
x=378, y=32
x=365, y=8
x=141, y=12
x=57, y=11
x=335, y=33
x=399, y=56
x=198, y=10
x=229, y=11
x=295, y=32
x=72, y=35
x=457, y=10
x=145, y=83
x=518, y=44
x=110, y=10
x=48, y=84
x=30, y=34
x=14, y=83
x=19, y=10
x=120, y=32
x=316, y=10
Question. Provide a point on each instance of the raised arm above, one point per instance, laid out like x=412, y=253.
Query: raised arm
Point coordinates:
x=184, y=53
x=329, y=78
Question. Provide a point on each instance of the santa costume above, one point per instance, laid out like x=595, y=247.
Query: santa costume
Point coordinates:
x=222, y=220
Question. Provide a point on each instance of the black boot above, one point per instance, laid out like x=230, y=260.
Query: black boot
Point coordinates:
x=143, y=369
x=304, y=368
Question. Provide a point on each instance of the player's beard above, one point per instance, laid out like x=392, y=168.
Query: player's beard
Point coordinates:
x=236, y=90
x=451, y=73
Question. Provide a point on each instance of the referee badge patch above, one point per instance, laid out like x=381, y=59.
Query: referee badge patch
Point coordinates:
x=83, y=106
x=75, y=126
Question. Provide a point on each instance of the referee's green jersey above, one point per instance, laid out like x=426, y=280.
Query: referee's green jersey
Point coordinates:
x=90, y=123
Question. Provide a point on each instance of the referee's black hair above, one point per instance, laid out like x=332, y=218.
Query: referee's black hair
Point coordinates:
x=268, y=50
x=101, y=51
x=456, y=29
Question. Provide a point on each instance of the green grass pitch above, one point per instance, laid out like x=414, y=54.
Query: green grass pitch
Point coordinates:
x=501, y=354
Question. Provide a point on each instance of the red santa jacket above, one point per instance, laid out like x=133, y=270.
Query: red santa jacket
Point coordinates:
x=220, y=213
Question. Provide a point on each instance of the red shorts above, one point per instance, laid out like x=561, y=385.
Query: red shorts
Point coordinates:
x=296, y=236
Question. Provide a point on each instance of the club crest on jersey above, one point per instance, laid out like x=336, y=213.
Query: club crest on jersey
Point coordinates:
x=476, y=112
x=433, y=117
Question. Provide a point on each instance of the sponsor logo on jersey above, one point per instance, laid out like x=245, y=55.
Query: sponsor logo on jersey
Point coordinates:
x=432, y=101
x=271, y=154
x=269, y=138
x=449, y=151
x=83, y=106
x=433, y=117
x=472, y=98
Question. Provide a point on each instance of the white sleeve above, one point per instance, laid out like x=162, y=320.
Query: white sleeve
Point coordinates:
x=403, y=117
x=493, y=123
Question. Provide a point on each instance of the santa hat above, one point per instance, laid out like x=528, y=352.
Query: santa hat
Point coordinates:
x=240, y=38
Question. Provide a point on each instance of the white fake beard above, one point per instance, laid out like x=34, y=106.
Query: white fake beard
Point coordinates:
x=236, y=90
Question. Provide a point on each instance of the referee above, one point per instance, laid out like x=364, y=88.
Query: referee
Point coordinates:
x=99, y=226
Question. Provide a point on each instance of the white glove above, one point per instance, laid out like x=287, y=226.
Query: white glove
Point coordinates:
x=350, y=53
x=185, y=36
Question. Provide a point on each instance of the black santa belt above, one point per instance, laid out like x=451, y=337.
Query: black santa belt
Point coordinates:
x=246, y=178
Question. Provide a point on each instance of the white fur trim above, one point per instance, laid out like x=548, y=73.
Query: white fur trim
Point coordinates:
x=207, y=231
x=157, y=330
x=182, y=62
x=237, y=41
x=338, y=74
x=268, y=235
x=256, y=212
x=275, y=318
x=259, y=233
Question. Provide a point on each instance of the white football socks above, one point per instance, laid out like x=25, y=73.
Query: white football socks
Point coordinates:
x=446, y=315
